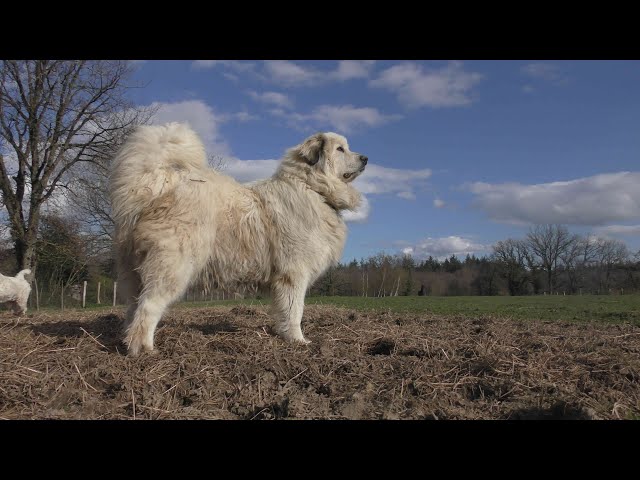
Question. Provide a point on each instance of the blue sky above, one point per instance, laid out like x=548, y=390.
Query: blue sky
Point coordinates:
x=461, y=153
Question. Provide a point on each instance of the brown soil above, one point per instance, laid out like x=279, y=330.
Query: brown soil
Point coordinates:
x=223, y=363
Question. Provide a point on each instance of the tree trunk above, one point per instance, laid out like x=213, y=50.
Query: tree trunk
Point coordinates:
x=25, y=248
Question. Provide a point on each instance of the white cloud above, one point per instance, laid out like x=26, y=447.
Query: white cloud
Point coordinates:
x=272, y=98
x=235, y=65
x=344, y=119
x=407, y=195
x=447, y=87
x=438, y=203
x=238, y=116
x=287, y=73
x=359, y=215
x=528, y=89
x=204, y=64
x=377, y=180
x=244, y=116
x=444, y=247
x=231, y=76
x=544, y=71
x=619, y=230
x=347, y=118
x=292, y=74
x=200, y=117
x=349, y=69
x=593, y=200
x=245, y=171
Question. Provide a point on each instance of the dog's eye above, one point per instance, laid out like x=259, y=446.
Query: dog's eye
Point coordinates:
x=340, y=149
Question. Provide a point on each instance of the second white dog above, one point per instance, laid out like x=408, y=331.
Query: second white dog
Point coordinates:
x=14, y=291
x=176, y=219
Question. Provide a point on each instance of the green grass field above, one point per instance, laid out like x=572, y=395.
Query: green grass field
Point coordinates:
x=607, y=308
x=602, y=308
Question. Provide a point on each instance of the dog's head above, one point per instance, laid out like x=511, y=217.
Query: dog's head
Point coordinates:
x=330, y=154
x=24, y=275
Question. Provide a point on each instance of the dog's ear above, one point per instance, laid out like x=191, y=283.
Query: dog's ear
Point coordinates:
x=310, y=150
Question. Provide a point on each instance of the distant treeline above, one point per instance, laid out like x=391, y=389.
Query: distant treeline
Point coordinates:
x=549, y=260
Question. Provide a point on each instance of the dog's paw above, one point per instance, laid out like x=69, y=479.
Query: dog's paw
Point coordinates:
x=133, y=349
x=135, y=346
x=301, y=340
x=294, y=338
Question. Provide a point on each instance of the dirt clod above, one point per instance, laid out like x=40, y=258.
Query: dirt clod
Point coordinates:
x=382, y=347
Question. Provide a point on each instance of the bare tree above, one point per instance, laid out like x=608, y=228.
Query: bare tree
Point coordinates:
x=55, y=115
x=548, y=243
x=578, y=256
x=609, y=254
x=91, y=201
x=511, y=256
x=571, y=261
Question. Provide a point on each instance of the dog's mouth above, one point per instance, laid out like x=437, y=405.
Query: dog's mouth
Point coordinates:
x=352, y=175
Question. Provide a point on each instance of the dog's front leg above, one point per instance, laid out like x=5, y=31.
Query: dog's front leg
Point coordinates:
x=287, y=304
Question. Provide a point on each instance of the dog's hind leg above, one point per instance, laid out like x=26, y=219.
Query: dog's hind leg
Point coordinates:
x=165, y=276
x=129, y=286
x=21, y=305
x=287, y=306
x=13, y=305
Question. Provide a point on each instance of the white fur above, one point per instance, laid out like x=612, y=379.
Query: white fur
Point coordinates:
x=14, y=291
x=177, y=219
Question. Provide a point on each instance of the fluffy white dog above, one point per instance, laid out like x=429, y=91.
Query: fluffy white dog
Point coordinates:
x=14, y=291
x=176, y=218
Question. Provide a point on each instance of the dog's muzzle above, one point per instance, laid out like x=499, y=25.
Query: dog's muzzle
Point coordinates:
x=364, y=161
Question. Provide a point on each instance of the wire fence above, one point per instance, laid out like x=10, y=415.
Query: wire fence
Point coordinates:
x=105, y=293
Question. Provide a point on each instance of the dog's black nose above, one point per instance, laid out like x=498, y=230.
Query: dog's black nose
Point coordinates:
x=364, y=159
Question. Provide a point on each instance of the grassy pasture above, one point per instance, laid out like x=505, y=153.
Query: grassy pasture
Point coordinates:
x=575, y=308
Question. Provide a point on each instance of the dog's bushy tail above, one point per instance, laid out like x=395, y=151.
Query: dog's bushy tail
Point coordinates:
x=149, y=163
x=22, y=273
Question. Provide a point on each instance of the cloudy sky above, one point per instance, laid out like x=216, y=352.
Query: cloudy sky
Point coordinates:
x=461, y=153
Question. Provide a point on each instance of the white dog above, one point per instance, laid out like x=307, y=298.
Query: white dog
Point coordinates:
x=14, y=291
x=176, y=218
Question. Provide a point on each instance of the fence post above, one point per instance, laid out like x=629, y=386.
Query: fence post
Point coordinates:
x=84, y=294
x=37, y=295
x=115, y=288
x=98, y=293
